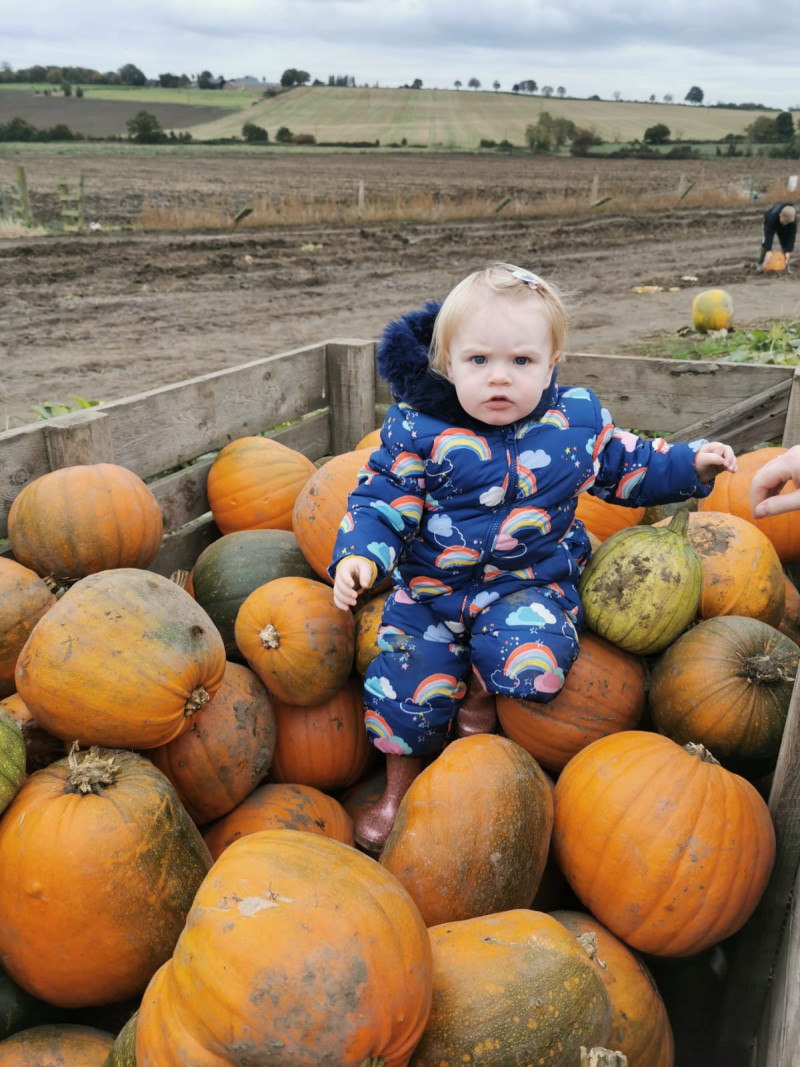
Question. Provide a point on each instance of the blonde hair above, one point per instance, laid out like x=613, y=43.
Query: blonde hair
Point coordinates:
x=497, y=278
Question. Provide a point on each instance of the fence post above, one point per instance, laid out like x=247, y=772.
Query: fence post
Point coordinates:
x=81, y=437
x=19, y=198
x=351, y=392
x=72, y=212
x=361, y=189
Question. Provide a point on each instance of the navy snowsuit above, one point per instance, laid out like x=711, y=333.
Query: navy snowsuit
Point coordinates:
x=476, y=526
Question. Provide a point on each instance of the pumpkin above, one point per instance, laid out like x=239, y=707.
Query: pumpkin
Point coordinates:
x=12, y=758
x=512, y=987
x=99, y=863
x=281, y=806
x=325, y=744
x=774, y=261
x=640, y=1026
x=742, y=574
x=442, y=846
x=370, y=440
x=642, y=586
x=667, y=849
x=41, y=748
x=727, y=684
x=368, y=620
x=314, y=929
x=296, y=640
x=79, y=520
x=712, y=310
x=321, y=505
x=57, y=1044
x=253, y=483
x=123, y=1051
x=143, y=657
x=227, y=749
x=603, y=519
x=731, y=493
x=790, y=621
x=230, y=568
x=604, y=692
x=24, y=598
x=20, y=1011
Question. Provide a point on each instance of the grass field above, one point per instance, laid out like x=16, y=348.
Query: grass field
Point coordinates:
x=432, y=118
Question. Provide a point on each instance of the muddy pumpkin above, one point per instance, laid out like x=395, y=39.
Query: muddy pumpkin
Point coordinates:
x=712, y=310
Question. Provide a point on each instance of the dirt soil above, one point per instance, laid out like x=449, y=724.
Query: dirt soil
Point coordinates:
x=110, y=313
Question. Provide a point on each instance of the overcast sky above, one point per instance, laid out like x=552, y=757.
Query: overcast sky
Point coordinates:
x=735, y=51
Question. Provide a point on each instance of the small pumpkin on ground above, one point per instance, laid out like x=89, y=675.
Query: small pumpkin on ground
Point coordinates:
x=99, y=863
x=511, y=987
x=442, y=846
x=143, y=657
x=79, y=520
x=24, y=598
x=57, y=1044
x=230, y=568
x=640, y=1027
x=702, y=837
x=324, y=745
x=727, y=684
x=604, y=692
x=253, y=483
x=296, y=640
x=642, y=586
x=712, y=310
x=345, y=942
x=603, y=519
x=281, y=806
x=227, y=749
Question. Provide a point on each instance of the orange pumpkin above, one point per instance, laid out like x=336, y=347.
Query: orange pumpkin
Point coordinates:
x=57, y=1044
x=281, y=806
x=604, y=692
x=727, y=684
x=712, y=310
x=253, y=483
x=227, y=749
x=314, y=929
x=731, y=493
x=296, y=640
x=668, y=849
x=99, y=863
x=742, y=574
x=143, y=657
x=24, y=598
x=604, y=519
x=321, y=505
x=325, y=744
x=640, y=1027
x=370, y=440
x=790, y=622
x=513, y=987
x=442, y=843
x=368, y=620
x=79, y=520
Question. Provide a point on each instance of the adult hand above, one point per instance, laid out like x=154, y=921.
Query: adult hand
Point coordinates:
x=766, y=497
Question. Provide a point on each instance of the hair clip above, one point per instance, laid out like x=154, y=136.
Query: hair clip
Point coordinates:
x=530, y=280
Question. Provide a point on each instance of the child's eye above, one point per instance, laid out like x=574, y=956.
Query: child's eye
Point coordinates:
x=521, y=361
x=478, y=360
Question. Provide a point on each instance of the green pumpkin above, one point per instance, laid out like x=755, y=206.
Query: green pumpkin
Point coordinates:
x=12, y=759
x=123, y=1051
x=229, y=569
x=642, y=586
x=20, y=1010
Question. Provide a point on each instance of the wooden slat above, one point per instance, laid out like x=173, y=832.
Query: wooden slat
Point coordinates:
x=351, y=377
x=78, y=438
x=746, y=423
x=791, y=429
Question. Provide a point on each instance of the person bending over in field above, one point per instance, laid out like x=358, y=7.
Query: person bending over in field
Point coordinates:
x=779, y=221
x=468, y=505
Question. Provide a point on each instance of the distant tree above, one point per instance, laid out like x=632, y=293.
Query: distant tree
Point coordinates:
x=695, y=95
x=495, y=85
x=549, y=133
x=291, y=77
x=668, y=98
x=79, y=92
x=284, y=135
x=652, y=98
x=254, y=134
x=617, y=95
x=457, y=83
x=784, y=124
x=528, y=86
x=145, y=128
x=547, y=90
x=54, y=75
x=515, y=88
x=562, y=92
x=582, y=142
x=66, y=89
x=473, y=83
x=417, y=83
x=169, y=81
x=657, y=134
x=763, y=131
x=131, y=75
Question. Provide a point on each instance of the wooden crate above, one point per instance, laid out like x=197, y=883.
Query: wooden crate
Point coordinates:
x=322, y=399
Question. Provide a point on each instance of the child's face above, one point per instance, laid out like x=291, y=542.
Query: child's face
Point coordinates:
x=501, y=357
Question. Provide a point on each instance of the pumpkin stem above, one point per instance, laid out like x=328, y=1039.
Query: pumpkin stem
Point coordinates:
x=92, y=771
x=197, y=698
x=679, y=524
x=602, y=1057
x=588, y=942
x=373, y=1061
x=270, y=638
x=702, y=753
x=763, y=669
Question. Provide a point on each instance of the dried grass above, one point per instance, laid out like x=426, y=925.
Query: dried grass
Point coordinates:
x=9, y=228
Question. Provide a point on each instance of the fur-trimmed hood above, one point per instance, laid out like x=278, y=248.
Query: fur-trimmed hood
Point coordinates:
x=402, y=361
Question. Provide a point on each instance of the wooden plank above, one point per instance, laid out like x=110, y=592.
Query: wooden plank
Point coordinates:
x=778, y=1043
x=753, y=952
x=746, y=423
x=351, y=378
x=82, y=437
x=791, y=429
x=180, y=550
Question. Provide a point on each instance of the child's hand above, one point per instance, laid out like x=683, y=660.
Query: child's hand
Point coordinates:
x=711, y=458
x=353, y=574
